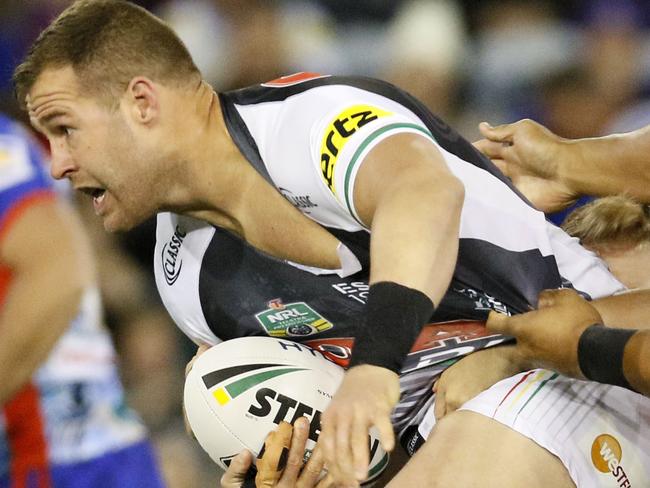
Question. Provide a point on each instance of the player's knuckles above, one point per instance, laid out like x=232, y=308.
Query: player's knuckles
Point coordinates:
x=326, y=481
x=310, y=473
x=294, y=462
x=498, y=322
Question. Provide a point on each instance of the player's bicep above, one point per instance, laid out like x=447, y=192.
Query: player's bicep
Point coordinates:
x=402, y=163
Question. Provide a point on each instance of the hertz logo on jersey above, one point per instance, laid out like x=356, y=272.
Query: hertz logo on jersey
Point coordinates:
x=338, y=132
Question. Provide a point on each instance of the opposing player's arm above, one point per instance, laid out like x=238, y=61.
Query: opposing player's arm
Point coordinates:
x=49, y=262
x=636, y=366
x=630, y=309
x=565, y=334
x=552, y=172
x=610, y=165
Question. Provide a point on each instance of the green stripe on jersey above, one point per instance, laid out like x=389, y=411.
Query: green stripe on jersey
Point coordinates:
x=347, y=191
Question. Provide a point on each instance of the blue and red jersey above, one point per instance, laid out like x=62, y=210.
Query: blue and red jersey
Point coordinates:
x=73, y=410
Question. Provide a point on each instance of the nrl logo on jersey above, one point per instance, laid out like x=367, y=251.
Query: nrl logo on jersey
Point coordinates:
x=291, y=319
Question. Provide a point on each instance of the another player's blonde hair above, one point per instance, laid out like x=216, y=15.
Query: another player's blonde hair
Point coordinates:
x=107, y=43
x=608, y=221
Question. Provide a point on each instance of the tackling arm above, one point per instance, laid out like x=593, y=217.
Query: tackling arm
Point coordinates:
x=610, y=165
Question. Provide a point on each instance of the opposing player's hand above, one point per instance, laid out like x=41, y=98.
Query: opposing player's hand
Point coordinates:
x=549, y=336
x=280, y=465
x=236, y=473
x=472, y=374
x=530, y=155
x=365, y=398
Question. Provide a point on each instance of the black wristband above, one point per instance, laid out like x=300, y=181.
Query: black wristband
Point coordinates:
x=395, y=315
x=600, y=354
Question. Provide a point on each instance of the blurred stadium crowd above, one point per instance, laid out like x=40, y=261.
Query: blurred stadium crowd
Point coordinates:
x=579, y=67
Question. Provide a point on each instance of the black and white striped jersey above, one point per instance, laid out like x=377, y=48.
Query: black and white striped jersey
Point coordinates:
x=308, y=135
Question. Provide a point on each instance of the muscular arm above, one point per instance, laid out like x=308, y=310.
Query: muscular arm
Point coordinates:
x=552, y=172
x=611, y=165
x=412, y=202
x=627, y=310
x=50, y=265
x=636, y=361
x=405, y=193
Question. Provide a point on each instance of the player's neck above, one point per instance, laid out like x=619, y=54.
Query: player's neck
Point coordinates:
x=215, y=173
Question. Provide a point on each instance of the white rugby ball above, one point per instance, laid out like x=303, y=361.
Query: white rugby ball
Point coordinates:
x=239, y=390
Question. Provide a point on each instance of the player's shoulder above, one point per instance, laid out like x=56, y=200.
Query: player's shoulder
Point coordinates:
x=306, y=85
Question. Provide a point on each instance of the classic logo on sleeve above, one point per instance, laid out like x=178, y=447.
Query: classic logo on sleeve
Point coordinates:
x=171, y=264
x=338, y=132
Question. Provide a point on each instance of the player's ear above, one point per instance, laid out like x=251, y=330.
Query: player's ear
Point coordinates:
x=143, y=100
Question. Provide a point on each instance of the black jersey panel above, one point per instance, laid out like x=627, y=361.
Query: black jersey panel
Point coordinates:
x=242, y=290
x=237, y=283
x=514, y=277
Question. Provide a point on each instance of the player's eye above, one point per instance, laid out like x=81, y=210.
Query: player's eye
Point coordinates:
x=64, y=130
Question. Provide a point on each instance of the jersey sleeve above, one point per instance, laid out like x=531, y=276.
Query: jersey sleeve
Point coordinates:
x=22, y=175
x=347, y=138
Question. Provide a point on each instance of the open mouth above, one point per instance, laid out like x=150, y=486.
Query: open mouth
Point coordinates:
x=97, y=194
x=93, y=192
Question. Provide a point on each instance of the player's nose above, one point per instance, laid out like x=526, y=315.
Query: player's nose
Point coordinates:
x=61, y=165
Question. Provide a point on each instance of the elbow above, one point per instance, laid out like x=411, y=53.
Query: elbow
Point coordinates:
x=457, y=191
x=451, y=191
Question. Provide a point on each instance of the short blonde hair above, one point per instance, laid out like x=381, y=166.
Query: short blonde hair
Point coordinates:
x=107, y=43
x=610, y=220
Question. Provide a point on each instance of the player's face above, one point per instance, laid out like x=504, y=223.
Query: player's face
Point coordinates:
x=94, y=147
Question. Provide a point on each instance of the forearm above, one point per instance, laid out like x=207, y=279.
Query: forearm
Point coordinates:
x=610, y=165
x=413, y=252
x=31, y=323
x=636, y=362
x=415, y=237
x=627, y=310
x=412, y=202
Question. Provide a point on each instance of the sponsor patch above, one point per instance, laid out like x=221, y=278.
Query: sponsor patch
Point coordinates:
x=291, y=320
x=606, y=455
x=171, y=263
x=338, y=132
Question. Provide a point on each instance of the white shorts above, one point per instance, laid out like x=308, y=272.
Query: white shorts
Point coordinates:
x=601, y=433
